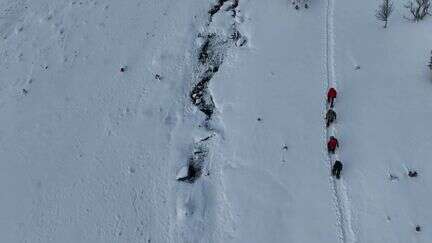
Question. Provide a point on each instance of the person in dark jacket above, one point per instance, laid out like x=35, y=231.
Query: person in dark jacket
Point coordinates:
x=331, y=96
x=332, y=144
x=337, y=168
x=330, y=117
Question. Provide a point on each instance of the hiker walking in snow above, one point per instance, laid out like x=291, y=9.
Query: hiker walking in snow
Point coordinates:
x=330, y=117
x=332, y=144
x=337, y=168
x=331, y=96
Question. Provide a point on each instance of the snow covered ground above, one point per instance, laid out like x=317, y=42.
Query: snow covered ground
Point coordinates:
x=385, y=112
x=104, y=102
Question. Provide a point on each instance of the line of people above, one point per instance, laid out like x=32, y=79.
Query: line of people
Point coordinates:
x=332, y=143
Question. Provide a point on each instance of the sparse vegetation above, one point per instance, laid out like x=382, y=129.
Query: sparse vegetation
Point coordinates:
x=384, y=11
x=418, y=9
x=300, y=3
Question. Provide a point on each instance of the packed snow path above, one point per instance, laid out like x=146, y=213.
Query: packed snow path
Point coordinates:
x=271, y=163
x=386, y=109
x=341, y=200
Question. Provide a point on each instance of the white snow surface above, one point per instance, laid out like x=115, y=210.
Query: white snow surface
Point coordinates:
x=91, y=154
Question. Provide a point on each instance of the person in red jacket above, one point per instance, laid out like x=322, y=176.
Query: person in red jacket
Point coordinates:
x=332, y=145
x=331, y=96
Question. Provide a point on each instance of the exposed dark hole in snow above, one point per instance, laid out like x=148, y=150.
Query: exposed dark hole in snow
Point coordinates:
x=393, y=177
x=192, y=174
x=242, y=41
x=132, y=170
x=203, y=55
x=211, y=55
x=211, y=52
x=206, y=138
x=412, y=173
x=219, y=4
x=418, y=228
x=235, y=35
x=195, y=164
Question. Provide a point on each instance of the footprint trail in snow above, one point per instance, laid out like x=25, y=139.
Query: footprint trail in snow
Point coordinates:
x=340, y=195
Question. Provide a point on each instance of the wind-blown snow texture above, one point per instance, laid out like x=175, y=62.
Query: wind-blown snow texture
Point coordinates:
x=105, y=104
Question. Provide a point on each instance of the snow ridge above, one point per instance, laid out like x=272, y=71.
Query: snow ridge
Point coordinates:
x=215, y=41
x=340, y=194
x=220, y=34
x=197, y=207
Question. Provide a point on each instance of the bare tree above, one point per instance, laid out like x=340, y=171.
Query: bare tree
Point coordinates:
x=384, y=11
x=418, y=9
x=298, y=3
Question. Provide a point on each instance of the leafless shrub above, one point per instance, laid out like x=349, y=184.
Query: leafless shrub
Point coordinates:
x=418, y=9
x=384, y=11
x=300, y=3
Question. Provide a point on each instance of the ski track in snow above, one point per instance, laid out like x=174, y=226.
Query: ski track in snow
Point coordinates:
x=338, y=187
